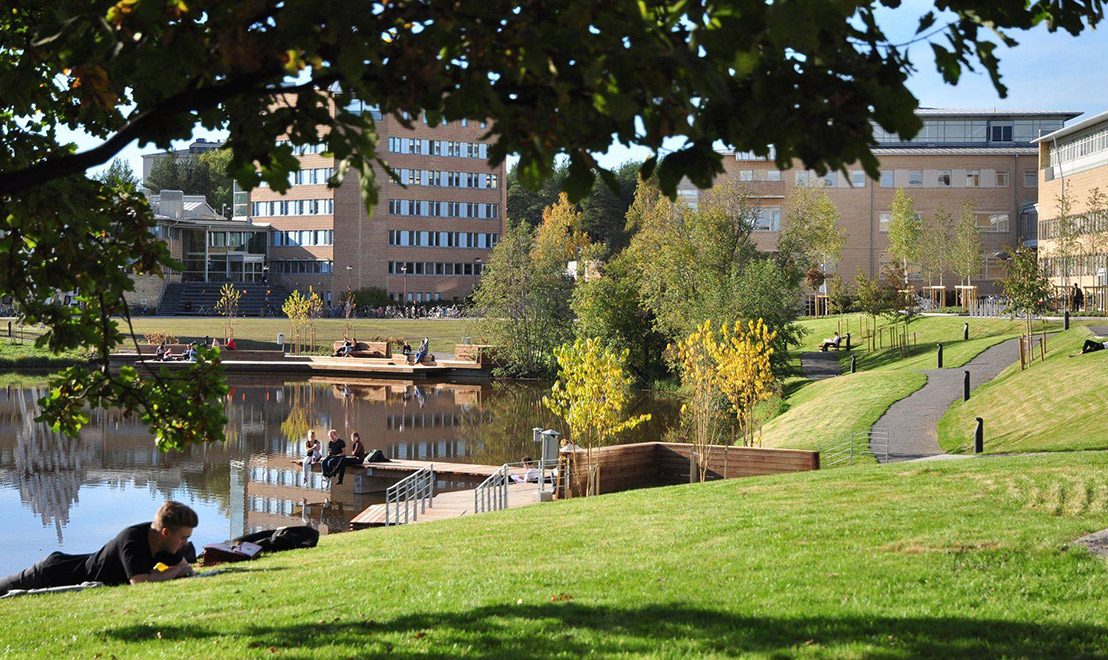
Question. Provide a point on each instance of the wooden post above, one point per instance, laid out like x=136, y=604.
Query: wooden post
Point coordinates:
x=1022, y=362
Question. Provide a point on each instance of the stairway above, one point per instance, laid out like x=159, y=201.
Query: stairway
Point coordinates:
x=200, y=298
x=169, y=300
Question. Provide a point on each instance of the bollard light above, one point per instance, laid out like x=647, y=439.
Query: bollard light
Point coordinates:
x=979, y=436
x=965, y=386
x=853, y=363
x=965, y=331
x=939, y=358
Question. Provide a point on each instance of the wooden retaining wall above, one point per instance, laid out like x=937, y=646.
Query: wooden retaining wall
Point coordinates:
x=642, y=465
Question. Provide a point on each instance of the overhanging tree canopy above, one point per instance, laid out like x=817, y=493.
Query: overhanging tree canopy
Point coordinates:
x=564, y=76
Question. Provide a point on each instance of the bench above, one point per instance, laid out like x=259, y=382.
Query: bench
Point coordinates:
x=367, y=349
x=476, y=353
x=836, y=347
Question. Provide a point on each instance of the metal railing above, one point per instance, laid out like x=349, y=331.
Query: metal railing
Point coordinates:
x=853, y=444
x=492, y=494
x=410, y=496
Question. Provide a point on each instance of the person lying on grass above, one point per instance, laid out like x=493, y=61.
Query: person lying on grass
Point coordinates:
x=129, y=558
x=1092, y=346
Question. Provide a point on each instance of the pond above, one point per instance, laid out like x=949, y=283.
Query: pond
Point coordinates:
x=73, y=495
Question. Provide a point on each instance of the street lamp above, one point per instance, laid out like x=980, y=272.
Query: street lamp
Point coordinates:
x=404, y=272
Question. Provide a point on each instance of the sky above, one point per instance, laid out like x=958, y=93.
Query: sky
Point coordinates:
x=1044, y=72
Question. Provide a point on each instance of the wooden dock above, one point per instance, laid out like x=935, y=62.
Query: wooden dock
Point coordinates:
x=321, y=365
x=452, y=504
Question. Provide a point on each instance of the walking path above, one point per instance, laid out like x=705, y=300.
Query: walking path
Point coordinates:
x=913, y=421
x=818, y=365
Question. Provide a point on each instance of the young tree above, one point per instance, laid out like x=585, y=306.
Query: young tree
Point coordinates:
x=966, y=255
x=703, y=411
x=874, y=298
x=743, y=370
x=1026, y=287
x=296, y=308
x=228, y=307
x=591, y=394
x=1067, y=239
x=905, y=232
x=150, y=71
x=312, y=312
x=937, y=244
x=810, y=234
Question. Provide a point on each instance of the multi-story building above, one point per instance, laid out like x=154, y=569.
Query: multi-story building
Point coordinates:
x=981, y=157
x=1073, y=236
x=428, y=236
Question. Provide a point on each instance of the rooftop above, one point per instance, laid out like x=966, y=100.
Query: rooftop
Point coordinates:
x=967, y=112
x=1075, y=128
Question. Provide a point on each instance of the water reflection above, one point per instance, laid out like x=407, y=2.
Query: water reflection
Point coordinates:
x=67, y=494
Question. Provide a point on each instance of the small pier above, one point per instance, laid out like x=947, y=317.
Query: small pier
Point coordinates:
x=250, y=362
x=451, y=504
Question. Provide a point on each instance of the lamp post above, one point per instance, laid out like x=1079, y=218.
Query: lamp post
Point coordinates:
x=404, y=272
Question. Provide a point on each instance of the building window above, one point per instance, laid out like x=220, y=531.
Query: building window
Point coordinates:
x=973, y=178
x=772, y=175
x=915, y=178
x=888, y=178
x=831, y=179
x=767, y=219
x=1002, y=133
x=1002, y=178
x=883, y=223
x=857, y=178
x=993, y=223
x=944, y=178
x=1030, y=179
x=803, y=178
x=746, y=175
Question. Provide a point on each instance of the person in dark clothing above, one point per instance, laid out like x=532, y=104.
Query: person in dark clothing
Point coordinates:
x=1078, y=298
x=1093, y=345
x=357, y=455
x=129, y=558
x=336, y=452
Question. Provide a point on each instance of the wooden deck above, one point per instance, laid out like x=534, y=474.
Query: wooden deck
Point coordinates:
x=453, y=504
x=320, y=365
x=398, y=465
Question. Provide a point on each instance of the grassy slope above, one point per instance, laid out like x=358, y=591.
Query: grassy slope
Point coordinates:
x=962, y=559
x=818, y=412
x=1058, y=404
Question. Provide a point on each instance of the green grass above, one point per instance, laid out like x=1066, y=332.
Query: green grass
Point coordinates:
x=964, y=559
x=253, y=333
x=1055, y=405
x=819, y=412
x=26, y=355
x=814, y=414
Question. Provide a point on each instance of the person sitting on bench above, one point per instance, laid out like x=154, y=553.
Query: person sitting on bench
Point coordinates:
x=830, y=343
x=346, y=349
x=422, y=352
x=162, y=352
x=129, y=558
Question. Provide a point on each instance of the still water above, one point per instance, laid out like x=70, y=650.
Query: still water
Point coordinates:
x=73, y=495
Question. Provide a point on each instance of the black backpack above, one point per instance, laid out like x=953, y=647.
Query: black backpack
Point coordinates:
x=284, y=538
x=375, y=456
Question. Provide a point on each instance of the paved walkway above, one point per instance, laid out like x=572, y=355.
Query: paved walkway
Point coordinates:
x=818, y=365
x=913, y=421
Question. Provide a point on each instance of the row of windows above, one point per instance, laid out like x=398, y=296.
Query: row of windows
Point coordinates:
x=974, y=130
x=302, y=267
x=1089, y=145
x=303, y=237
x=989, y=223
x=1079, y=225
x=308, y=177
x=431, y=209
x=302, y=149
x=234, y=239
x=920, y=178
x=442, y=239
x=992, y=268
x=294, y=207
x=1076, y=266
x=449, y=148
x=759, y=175
x=434, y=268
x=444, y=122
x=417, y=296
x=439, y=420
x=446, y=179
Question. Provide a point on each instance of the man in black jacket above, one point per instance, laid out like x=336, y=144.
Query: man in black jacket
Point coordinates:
x=129, y=558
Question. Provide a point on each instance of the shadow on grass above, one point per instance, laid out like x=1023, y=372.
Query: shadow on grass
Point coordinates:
x=571, y=629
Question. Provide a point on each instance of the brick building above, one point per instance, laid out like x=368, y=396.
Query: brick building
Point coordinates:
x=1075, y=157
x=426, y=239
x=986, y=158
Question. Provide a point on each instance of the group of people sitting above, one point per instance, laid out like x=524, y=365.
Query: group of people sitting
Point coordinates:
x=163, y=353
x=349, y=345
x=337, y=459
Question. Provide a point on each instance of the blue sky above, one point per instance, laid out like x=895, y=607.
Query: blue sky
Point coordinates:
x=1044, y=72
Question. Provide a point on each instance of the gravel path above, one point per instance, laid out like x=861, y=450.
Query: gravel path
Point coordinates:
x=818, y=365
x=913, y=421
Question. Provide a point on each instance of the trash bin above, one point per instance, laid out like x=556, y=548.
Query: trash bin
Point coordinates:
x=281, y=341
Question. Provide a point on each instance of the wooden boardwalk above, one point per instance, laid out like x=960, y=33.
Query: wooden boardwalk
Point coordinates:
x=317, y=365
x=453, y=504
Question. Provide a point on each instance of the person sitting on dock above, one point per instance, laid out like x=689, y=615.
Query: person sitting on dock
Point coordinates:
x=357, y=449
x=190, y=354
x=422, y=352
x=530, y=474
x=313, y=449
x=346, y=349
x=162, y=352
x=831, y=343
x=336, y=452
x=406, y=349
x=129, y=558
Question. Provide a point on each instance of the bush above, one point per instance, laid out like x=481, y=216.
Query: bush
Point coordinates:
x=158, y=336
x=372, y=296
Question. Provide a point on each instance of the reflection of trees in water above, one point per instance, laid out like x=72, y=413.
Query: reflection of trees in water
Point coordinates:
x=500, y=430
x=49, y=467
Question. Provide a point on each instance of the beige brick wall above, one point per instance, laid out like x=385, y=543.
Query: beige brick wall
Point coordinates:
x=148, y=288
x=1078, y=187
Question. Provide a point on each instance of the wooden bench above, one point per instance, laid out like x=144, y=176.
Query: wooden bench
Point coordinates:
x=843, y=345
x=367, y=349
x=476, y=353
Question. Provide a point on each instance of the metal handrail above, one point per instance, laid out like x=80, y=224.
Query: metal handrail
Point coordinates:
x=872, y=441
x=492, y=493
x=410, y=496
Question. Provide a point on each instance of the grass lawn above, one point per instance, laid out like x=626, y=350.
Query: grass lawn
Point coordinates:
x=816, y=413
x=961, y=559
x=262, y=333
x=26, y=356
x=1055, y=405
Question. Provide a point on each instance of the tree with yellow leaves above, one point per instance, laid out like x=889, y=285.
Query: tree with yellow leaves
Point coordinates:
x=743, y=370
x=228, y=307
x=703, y=412
x=591, y=394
